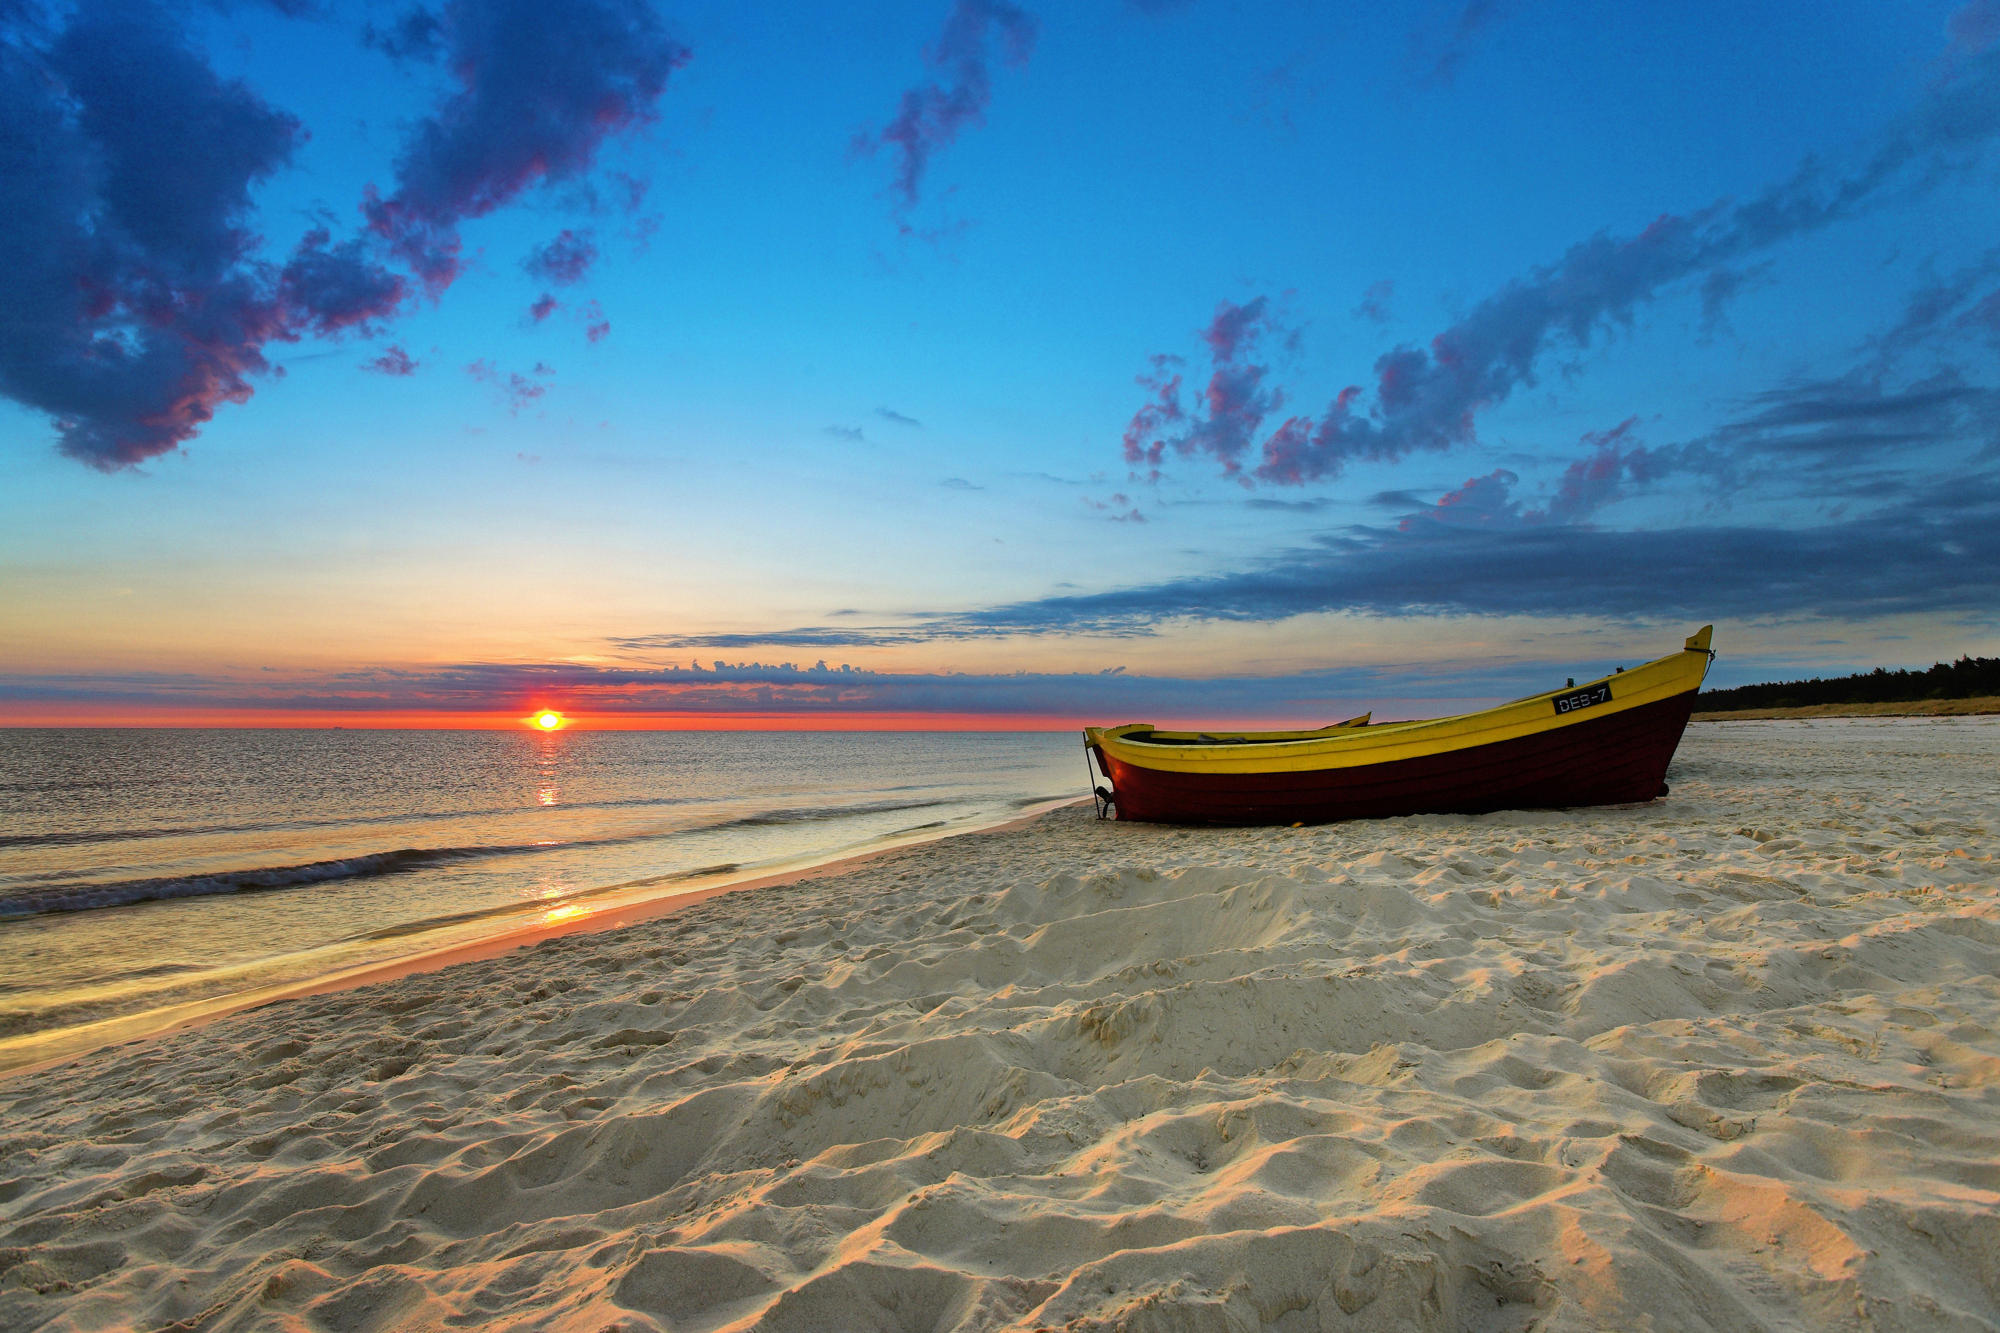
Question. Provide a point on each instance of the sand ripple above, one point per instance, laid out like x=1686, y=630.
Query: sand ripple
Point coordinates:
x=1727, y=1060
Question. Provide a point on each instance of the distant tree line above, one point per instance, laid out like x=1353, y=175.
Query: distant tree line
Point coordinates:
x=1967, y=678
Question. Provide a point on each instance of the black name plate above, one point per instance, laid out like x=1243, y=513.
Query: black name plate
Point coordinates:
x=1588, y=697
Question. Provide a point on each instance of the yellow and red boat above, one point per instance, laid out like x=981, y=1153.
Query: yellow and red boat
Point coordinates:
x=1605, y=742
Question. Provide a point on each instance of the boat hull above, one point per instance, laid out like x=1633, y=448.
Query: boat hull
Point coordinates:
x=1606, y=760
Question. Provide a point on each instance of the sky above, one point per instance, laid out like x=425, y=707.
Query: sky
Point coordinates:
x=973, y=363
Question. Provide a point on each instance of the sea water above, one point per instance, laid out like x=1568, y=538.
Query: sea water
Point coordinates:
x=151, y=871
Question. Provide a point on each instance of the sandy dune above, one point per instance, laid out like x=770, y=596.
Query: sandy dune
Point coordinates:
x=1729, y=1060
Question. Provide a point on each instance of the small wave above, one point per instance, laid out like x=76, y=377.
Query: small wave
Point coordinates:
x=700, y=872
x=815, y=814
x=81, y=837
x=120, y=893
x=82, y=897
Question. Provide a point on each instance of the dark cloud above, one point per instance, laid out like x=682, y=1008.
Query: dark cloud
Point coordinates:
x=1847, y=403
x=564, y=261
x=1844, y=438
x=416, y=34
x=1429, y=398
x=331, y=289
x=1915, y=559
x=1919, y=455
x=1830, y=439
x=136, y=304
x=540, y=88
x=393, y=361
x=544, y=306
x=138, y=296
x=890, y=414
x=932, y=115
x=1919, y=458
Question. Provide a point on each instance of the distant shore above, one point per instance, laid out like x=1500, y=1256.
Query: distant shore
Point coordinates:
x=1989, y=703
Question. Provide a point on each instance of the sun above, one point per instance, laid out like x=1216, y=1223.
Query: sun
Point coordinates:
x=549, y=721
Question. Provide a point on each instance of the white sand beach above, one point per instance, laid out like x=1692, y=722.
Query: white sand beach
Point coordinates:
x=1727, y=1060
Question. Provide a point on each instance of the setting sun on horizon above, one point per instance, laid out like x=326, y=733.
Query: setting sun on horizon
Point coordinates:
x=550, y=720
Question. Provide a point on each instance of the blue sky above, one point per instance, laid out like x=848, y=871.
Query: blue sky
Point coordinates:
x=1266, y=360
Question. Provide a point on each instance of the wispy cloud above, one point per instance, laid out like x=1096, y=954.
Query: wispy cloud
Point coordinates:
x=515, y=390
x=1945, y=312
x=1374, y=305
x=393, y=361
x=890, y=414
x=1430, y=398
x=1117, y=507
x=1468, y=30
x=932, y=115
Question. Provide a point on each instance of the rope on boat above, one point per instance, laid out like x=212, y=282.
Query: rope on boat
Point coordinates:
x=1105, y=797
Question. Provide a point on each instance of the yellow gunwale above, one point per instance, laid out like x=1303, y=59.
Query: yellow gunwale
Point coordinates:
x=1346, y=746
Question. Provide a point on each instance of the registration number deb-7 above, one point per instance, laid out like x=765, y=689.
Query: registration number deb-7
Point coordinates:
x=1588, y=697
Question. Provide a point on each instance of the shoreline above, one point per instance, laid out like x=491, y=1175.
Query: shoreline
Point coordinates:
x=124, y=1030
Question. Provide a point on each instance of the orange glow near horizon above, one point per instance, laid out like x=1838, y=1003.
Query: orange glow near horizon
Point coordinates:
x=38, y=713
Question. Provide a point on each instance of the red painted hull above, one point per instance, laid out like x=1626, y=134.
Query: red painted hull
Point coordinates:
x=1597, y=761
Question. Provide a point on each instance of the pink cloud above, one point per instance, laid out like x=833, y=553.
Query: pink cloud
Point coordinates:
x=393, y=361
x=515, y=390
